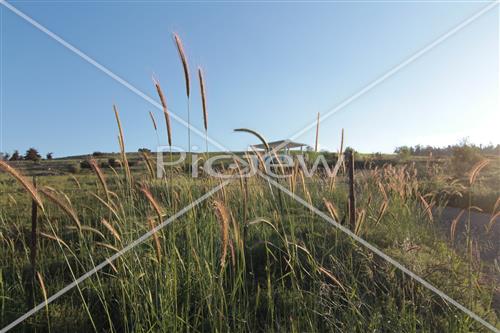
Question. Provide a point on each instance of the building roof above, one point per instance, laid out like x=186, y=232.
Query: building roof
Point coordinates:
x=274, y=144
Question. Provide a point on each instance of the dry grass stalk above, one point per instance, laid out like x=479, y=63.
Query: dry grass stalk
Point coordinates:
x=381, y=211
x=108, y=246
x=156, y=239
x=24, y=182
x=61, y=204
x=149, y=164
x=453, y=226
x=223, y=218
x=100, y=176
x=153, y=120
x=111, y=229
x=496, y=205
x=331, y=277
x=153, y=202
x=163, y=101
x=332, y=210
x=185, y=66
x=260, y=137
x=122, y=147
x=54, y=238
x=203, y=99
x=77, y=183
x=44, y=290
x=476, y=169
x=360, y=220
x=86, y=228
x=428, y=208
x=317, y=135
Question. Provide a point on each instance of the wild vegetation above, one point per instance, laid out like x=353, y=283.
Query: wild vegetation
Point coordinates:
x=248, y=258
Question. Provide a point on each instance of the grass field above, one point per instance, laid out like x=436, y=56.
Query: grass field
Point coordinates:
x=249, y=258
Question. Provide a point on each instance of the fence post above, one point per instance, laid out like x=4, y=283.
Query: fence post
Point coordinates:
x=352, y=197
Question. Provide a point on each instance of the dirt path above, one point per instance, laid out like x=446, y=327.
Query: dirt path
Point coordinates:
x=489, y=242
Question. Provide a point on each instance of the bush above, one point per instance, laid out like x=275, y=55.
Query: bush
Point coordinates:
x=85, y=165
x=74, y=168
x=113, y=162
x=464, y=157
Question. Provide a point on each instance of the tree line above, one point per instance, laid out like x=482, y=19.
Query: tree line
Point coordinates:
x=450, y=150
x=31, y=154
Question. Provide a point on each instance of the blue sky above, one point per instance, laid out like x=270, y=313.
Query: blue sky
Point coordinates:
x=269, y=67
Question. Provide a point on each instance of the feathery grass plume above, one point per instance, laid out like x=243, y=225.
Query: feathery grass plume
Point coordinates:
x=86, y=228
x=185, y=65
x=360, y=220
x=152, y=116
x=77, y=183
x=61, y=204
x=156, y=239
x=204, y=105
x=55, y=238
x=428, y=208
x=496, y=205
x=223, y=218
x=108, y=246
x=145, y=157
x=152, y=201
x=44, y=290
x=260, y=137
x=453, y=226
x=203, y=98
x=317, y=135
x=381, y=211
x=111, y=229
x=121, y=140
x=476, y=169
x=28, y=186
x=332, y=210
x=100, y=176
x=331, y=277
x=163, y=101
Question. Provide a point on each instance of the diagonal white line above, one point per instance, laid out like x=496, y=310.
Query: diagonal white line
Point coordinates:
x=381, y=254
x=107, y=71
x=392, y=71
x=329, y=113
x=114, y=257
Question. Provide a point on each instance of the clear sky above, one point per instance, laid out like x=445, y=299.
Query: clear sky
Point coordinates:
x=269, y=67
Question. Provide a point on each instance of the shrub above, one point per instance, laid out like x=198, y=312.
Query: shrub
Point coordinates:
x=464, y=156
x=113, y=162
x=85, y=164
x=74, y=168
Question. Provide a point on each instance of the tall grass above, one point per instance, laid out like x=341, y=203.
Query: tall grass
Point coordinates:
x=277, y=269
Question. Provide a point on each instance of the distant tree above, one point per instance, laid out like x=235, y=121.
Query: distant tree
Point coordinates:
x=144, y=150
x=32, y=155
x=404, y=151
x=49, y=156
x=4, y=157
x=97, y=154
x=15, y=156
x=348, y=150
x=464, y=156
